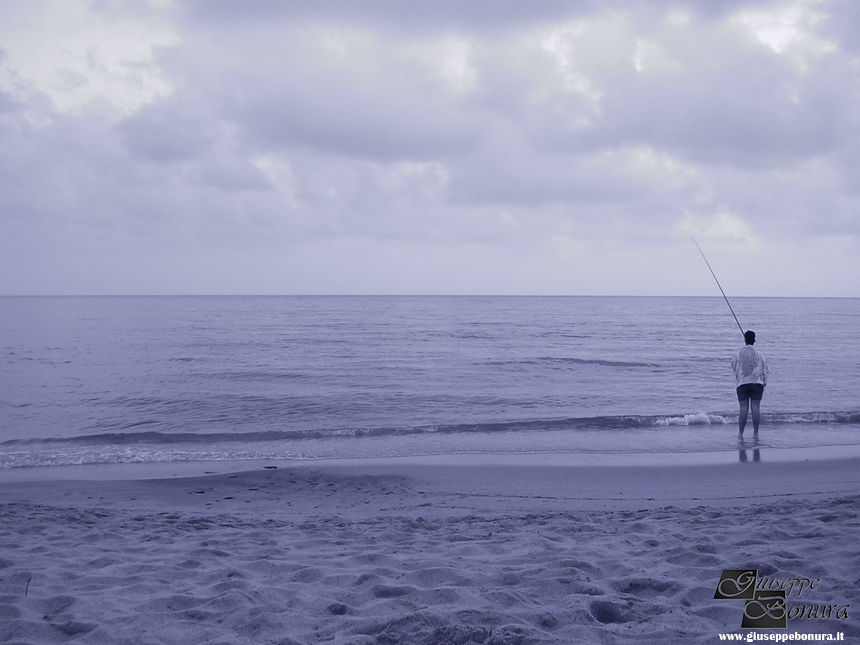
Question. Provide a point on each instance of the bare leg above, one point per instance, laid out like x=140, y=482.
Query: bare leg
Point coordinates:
x=742, y=417
x=756, y=415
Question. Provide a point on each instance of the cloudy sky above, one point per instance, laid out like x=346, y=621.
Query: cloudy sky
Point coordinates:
x=441, y=146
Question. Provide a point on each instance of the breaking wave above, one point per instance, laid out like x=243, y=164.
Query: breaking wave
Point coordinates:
x=605, y=423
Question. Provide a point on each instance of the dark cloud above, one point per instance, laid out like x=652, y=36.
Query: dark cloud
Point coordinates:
x=530, y=179
x=755, y=113
x=743, y=105
x=229, y=175
x=731, y=101
x=343, y=119
x=7, y=102
x=843, y=24
x=423, y=16
x=468, y=15
x=168, y=130
x=280, y=87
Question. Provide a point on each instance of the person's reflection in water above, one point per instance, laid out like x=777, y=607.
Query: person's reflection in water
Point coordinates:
x=742, y=455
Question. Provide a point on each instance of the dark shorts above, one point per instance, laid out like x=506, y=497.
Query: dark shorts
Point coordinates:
x=749, y=391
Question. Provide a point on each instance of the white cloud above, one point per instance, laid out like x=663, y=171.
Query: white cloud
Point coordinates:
x=789, y=27
x=647, y=166
x=76, y=51
x=568, y=45
x=280, y=173
x=420, y=180
x=450, y=60
x=722, y=228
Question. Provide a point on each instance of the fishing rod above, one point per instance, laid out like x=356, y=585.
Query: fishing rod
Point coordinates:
x=717, y=281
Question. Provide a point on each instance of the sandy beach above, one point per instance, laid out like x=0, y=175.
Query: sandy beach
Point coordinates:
x=515, y=549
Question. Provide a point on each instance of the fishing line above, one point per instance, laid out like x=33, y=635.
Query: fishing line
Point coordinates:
x=717, y=281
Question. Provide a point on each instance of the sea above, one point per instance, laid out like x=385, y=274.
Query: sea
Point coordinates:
x=154, y=380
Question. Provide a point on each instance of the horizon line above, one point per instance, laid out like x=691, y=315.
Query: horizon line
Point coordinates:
x=393, y=295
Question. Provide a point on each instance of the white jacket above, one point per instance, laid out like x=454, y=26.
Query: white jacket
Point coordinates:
x=749, y=366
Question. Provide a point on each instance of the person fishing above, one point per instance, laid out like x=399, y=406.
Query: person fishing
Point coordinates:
x=751, y=378
x=749, y=365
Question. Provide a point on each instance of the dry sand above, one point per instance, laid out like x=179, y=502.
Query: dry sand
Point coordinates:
x=508, y=550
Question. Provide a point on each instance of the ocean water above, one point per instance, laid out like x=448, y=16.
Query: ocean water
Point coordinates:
x=113, y=380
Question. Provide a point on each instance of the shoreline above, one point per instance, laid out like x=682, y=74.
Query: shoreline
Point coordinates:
x=748, y=452
x=513, y=483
